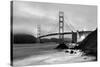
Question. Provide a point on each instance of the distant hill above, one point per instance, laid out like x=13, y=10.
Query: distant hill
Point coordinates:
x=23, y=38
x=56, y=40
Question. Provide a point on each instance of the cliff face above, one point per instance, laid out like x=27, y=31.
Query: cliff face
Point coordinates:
x=89, y=44
x=23, y=38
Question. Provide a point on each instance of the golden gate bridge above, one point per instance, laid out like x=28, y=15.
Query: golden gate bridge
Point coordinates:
x=76, y=35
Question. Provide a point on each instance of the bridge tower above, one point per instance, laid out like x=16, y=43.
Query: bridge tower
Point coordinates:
x=61, y=31
x=38, y=33
x=61, y=26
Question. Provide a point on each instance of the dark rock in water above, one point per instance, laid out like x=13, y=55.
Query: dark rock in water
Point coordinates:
x=66, y=51
x=71, y=52
x=74, y=52
x=23, y=38
x=89, y=44
x=61, y=46
x=85, y=58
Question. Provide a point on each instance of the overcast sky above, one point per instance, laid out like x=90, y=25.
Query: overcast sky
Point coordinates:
x=27, y=15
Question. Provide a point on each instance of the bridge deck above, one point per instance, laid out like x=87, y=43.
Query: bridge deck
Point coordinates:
x=52, y=34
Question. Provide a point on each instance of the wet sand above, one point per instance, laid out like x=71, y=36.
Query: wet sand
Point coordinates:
x=58, y=57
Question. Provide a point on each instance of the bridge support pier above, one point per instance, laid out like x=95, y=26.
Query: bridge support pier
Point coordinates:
x=74, y=37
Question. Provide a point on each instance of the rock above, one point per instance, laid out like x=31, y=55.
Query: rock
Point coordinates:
x=89, y=44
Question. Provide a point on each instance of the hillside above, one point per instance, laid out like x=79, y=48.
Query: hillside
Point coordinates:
x=23, y=38
x=89, y=44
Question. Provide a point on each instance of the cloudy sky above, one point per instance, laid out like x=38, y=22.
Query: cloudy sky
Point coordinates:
x=27, y=15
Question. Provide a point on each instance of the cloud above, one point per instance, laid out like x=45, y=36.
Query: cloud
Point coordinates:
x=27, y=15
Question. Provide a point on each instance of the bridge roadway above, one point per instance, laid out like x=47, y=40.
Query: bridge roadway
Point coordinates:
x=52, y=34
